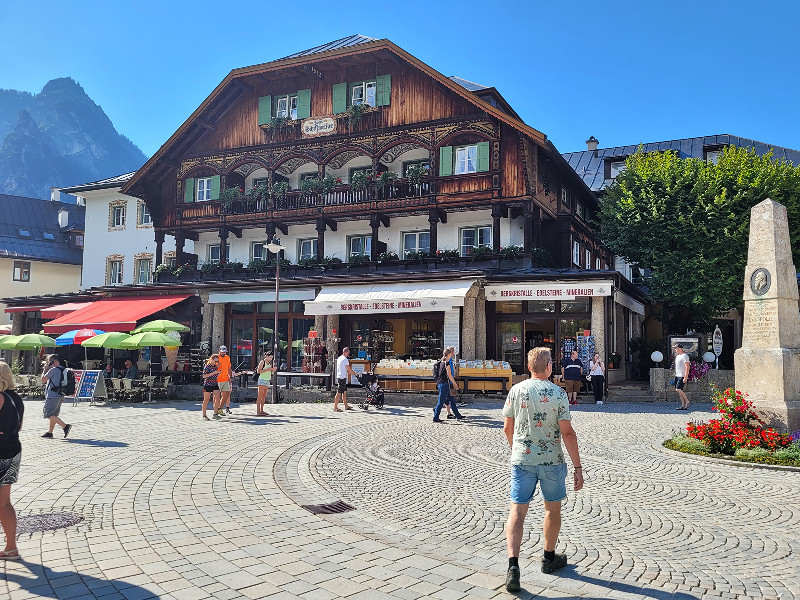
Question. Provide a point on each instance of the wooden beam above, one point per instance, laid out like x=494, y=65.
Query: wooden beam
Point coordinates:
x=206, y=124
x=283, y=228
x=244, y=85
x=384, y=219
x=236, y=231
x=191, y=235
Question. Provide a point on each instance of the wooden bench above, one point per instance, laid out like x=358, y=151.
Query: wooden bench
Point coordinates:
x=467, y=378
x=288, y=375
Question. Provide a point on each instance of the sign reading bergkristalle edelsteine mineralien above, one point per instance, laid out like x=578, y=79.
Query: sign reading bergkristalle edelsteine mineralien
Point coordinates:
x=768, y=363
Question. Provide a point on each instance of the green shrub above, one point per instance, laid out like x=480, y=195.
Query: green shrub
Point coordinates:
x=791, y=452
x=683, y=443
x=752, y=452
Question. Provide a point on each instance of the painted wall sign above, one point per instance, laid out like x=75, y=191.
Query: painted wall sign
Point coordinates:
x=547, y=291
x=316, y=126
x=379, y=306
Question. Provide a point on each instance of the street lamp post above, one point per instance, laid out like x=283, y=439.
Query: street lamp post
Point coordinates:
x=275, y=247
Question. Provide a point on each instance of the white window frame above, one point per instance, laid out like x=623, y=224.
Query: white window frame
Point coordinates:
x=565, y=196
x=597, y=264
x=462, y=160
x=366, y=244
x=143, y=218
x=712, y=156
x=478, y=230
x=286, y=106
x=580, y=210
x=417, y=247
x=262, y=255
x=576, y=253
x=368, y=93
x=616, y=167
x=307, y=248
x=202, y=190
x=118, y=216
x=79, y=239
x=210, y=252
x=110, y=279
x=588, y=259
x=21, y=271
x=148, y=272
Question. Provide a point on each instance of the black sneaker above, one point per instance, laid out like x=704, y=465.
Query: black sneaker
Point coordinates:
x=438, y=421
x=227, y=410
x=459, y=417
x=451, y=416
x=512, y=579
x=551, y=566
x=66, y=430
x=48, y=435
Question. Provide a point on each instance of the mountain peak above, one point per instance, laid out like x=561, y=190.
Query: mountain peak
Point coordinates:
x=62, y=84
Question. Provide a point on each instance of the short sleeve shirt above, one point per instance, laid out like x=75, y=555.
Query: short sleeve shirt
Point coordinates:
x=680, y=364
x=224, y=368
x=53, y=382
x=536, y=407
x=341, y=367
x=572, y=369
x=210, y=368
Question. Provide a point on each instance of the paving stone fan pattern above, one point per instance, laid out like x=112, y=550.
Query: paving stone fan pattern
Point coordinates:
x=46, y=522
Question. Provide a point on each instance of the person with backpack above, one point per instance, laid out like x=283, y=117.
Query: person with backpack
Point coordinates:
x=11, y=412
x=56, y=380
x=444, y=379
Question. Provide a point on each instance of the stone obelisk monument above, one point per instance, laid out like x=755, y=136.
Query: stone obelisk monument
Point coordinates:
x=768, y=363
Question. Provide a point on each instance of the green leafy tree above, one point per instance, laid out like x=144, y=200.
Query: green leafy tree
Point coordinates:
x=688, y=221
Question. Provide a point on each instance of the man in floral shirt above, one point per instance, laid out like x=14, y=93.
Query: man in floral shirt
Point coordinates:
x=537, y=419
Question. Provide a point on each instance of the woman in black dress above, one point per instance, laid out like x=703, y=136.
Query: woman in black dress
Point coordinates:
x=11, y=411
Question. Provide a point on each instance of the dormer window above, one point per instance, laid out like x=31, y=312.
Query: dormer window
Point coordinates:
x=48, y=236
x=712, y=156
x=617, y=167
x=24, y=233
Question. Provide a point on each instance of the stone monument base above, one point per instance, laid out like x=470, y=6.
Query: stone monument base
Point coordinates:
x=771, y=378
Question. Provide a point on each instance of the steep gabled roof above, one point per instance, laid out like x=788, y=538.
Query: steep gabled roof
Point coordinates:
x=111, y=182
x=196, y=125
x=590, y=164
x=346, y=42
x=28, y=224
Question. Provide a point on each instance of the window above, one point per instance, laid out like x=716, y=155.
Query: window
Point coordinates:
x=416, y=241
x=363, y=92
x=359, y=245
x=588, y=259
x=203, y=189
x=114, y=272
x=354, y=170
x=48, y=236
x=260, y=181
x=580, y=211
x=466, y=159
x=304, y=176
x=79, y=240
x=286, y=106
x=170, y=259
x=258, y=251
x=144, y=269
x=712, y=156
x=576, y=253
x=213, y=252
x=307, y=249
x=565, y=197
x=597, y=264
x=117, y=216
x=22, y=270
x=617, y=167
x=474, y=237
x=24, y=233
x=143, y=218
x=415, y=163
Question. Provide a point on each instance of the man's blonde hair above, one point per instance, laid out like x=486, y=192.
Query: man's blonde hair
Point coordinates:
x=6, y=377
x=538, y=359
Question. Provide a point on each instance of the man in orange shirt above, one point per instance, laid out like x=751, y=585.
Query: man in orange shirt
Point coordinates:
x=224, y=380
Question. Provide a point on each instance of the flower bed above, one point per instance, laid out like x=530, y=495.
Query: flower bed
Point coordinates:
x=739, y=434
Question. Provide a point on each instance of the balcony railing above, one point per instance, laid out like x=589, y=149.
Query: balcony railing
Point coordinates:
x=372, y=119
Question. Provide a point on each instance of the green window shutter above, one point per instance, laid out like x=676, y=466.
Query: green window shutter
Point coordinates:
x=264, y=110
x=383, y=89
x=215, y=187
x=483, y=157
x=188, y=190
x=340, y=98
x=446, y=160
x=303, y=104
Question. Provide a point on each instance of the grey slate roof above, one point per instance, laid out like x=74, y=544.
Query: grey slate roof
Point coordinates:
x=351, y=40
x=38, y=217
x=469, y=85
x=111, y=182
x=592, y=168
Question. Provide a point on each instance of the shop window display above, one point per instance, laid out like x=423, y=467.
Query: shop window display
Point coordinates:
x=509, y=342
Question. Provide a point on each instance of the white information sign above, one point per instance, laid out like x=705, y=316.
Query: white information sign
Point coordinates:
x=318, y=126
x=452, y=329
x=547, y=291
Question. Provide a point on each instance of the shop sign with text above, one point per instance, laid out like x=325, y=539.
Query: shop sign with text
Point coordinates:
x=317, y=126
x=378, y=306
x=547, y=291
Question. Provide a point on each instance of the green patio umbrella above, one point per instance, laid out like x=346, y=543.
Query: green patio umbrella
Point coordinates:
x=160, y=326
x=297, y=344
x=112, y=339
x=149, y=338
x=28, y=341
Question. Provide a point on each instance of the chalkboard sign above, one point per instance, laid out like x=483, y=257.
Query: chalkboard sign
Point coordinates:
x=89, y=385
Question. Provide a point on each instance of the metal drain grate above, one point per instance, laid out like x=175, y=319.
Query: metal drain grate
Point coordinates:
x=47, y=522
x=329, y=509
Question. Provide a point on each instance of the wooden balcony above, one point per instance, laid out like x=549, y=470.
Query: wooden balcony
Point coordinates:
x=401, y=195
x=373, y=119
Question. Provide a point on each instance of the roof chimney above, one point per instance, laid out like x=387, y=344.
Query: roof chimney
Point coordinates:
x=55, y=194
x=63, y=218
x=591, y=144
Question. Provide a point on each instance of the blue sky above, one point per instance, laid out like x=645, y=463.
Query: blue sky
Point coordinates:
x=624, y=71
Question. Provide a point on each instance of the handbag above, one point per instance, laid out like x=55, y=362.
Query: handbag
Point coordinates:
x=673, y=382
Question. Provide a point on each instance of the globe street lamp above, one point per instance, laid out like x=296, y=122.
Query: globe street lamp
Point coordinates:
x=275, y=247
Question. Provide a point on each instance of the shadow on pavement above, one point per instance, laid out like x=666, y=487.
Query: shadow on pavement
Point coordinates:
x=609, y=588
x=98, y=443
x=40, y=580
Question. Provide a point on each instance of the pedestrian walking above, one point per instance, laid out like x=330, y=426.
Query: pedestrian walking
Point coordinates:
x=572, y=370
x=265, y=370
x=444, y=382
x=211, y=387
x=681, y=375
x=11, y=413
x=343, y=369
x=537, y=419
x=597, y=373
x=224, y=380
x=52, y=377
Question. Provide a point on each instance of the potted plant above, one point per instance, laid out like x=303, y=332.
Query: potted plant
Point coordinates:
x=355, y=115
x=415, y=173
x=229, y=195
x=331, y=262
x=161, y=271
x=329, y=182
x=447, y=255
x=385, y=257
x=278, y=124
x=386, y=179
x=279, y=190
x=480, y=252
x=360, y=180
x=359, y=259
x=257, y=265
x=614, y=360
x=310, y=186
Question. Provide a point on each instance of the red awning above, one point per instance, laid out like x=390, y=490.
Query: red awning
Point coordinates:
x=111, y=314
x=60, y=310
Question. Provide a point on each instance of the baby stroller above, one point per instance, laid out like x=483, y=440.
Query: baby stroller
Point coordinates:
x=374, y=397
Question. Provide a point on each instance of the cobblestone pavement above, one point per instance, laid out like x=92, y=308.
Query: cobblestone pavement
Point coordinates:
x=177, y=508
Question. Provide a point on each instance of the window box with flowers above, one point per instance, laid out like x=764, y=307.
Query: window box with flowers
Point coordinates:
x=360, y=180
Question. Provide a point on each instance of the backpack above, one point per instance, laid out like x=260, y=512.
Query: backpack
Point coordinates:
x=67, y=387
x=436, y=366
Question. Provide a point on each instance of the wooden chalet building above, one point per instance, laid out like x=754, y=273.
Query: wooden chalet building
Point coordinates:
x=356, y=151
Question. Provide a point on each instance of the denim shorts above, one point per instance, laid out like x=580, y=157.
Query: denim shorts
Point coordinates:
x=551, y=478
